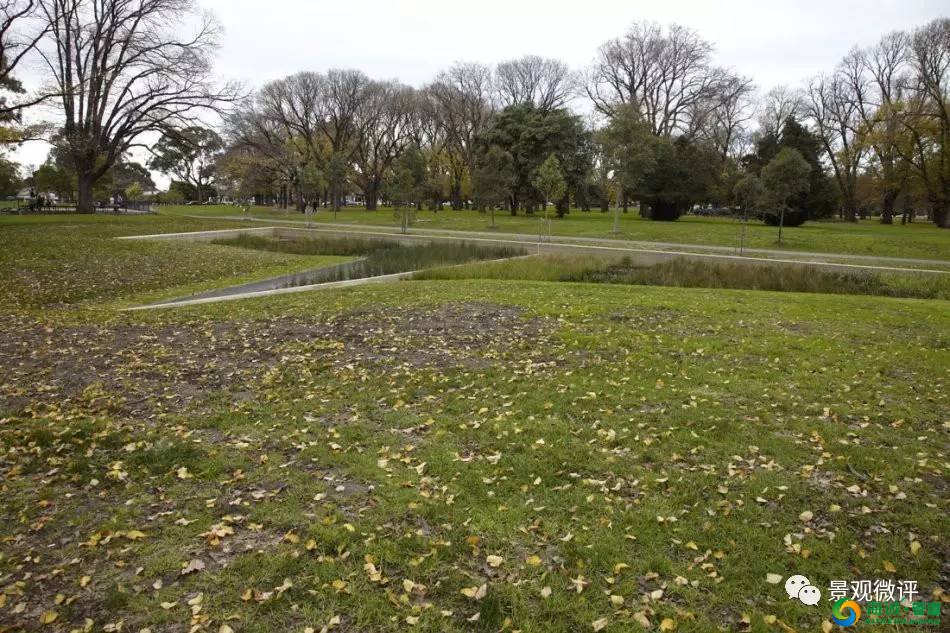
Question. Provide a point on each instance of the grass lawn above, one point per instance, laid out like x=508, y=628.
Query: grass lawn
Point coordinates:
x=920, y=240
x=53, y=261
x=463, y=455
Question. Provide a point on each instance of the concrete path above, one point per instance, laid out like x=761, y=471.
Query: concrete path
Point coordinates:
x=178, y=303
x=787, y=256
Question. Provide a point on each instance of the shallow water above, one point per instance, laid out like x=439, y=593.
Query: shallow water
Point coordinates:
x=398, y=259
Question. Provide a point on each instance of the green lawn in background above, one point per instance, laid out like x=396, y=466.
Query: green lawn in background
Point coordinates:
x=51, y=261
x=463, y=455
x=920, y=240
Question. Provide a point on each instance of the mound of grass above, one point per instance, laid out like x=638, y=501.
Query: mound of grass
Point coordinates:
x=460, y=456
x=533, y=452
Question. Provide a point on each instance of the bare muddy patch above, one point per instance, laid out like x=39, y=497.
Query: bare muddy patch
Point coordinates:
x=144, y=370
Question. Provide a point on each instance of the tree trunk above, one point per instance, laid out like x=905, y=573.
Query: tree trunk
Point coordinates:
x=334, y=198
x=299, y=198
x=941, y=215
x=781, y=222
x=456, y=195
x=372, y=196
x=850, y=212
x=84, y=203
x=887, y=206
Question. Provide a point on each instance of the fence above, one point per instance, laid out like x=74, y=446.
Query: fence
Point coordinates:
x=34, y=208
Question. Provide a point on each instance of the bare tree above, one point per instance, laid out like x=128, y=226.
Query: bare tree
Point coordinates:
x=542, y=82
x=296, y=104
x=427, y=132
x=384, y=121
x=876, y=79
x=778, y=104
x=122, y=68
x=832, y=106
x=322, y=119
x=726, y=123
x=291, y=112
x=20, y=32
x=261, y=149
x=926, y=116
x=464, y=108
x=344, y=91
x=666, y=74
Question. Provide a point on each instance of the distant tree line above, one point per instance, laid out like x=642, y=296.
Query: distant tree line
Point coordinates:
x=669, y=130
x=117, y=72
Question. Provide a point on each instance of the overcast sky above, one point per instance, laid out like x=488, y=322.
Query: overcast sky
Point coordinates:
x=411, y=40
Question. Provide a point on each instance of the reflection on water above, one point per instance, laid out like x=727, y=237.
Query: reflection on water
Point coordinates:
x=390, y=259
x=350, y=270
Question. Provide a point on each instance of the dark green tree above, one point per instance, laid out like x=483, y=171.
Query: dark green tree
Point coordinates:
x=180, y=191
x=684, y=174
x=549, y=181
x=529, y=136
x=492, y=179
x=188, y=155
x=405, y=185
x=749, y=192
x=785, y=176
x=50, y=177
x=820, y=200
x=127, y=173
x=10, y=179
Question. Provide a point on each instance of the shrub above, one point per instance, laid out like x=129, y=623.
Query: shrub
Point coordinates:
x=663, y=211
x=793, y=217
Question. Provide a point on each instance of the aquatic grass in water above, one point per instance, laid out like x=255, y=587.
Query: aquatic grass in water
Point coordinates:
x=697, y=274
x=694, y=274
x=344, y=246
x=383, y=257
x=401, y=259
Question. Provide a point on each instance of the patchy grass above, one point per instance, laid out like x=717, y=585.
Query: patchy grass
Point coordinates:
x=468, y=455
x=921, y=240
x=54, y=262
x=695, y=274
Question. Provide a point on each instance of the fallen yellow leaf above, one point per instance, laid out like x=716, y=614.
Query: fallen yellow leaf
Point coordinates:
x=48, y=617
x=475, y=593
